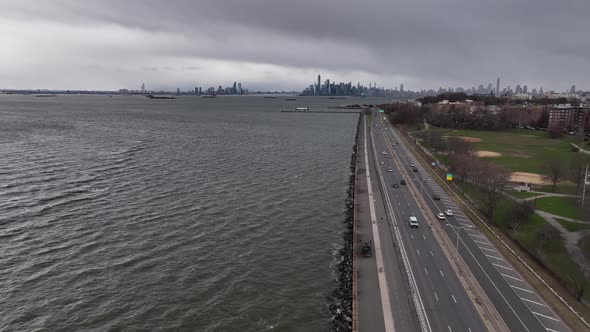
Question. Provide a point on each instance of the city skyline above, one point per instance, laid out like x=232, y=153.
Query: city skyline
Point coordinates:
x=279, y=45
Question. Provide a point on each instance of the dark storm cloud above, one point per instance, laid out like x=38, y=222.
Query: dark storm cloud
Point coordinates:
x=432, y=42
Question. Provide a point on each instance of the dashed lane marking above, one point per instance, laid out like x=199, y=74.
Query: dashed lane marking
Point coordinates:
x=545, y=316
x=502, y=266
x=531, y=301
x=511, y=277
x=494, y=257
x=522, y=289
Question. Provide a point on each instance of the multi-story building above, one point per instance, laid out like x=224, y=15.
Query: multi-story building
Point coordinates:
x=569, y=117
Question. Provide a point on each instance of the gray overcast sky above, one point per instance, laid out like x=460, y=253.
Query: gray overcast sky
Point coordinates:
x=278, y=44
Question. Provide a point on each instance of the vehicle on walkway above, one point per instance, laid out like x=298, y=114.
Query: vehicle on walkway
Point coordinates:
x=390, y=170
x=402, y=182
x=448, y=212
x=395, y=185
x=440, y=216
x=366, y=248
x=412, y=165
x=414, y=169
x=384, y=153
x=382, y=163
x=413, y=222
x=436, y=197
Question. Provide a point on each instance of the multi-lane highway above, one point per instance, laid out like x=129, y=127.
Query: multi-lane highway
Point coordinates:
x=442, y=302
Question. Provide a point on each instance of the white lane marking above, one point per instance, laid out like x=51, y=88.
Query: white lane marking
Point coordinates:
x=418, y=252
x=522, y=289
x=479, y=236
x=482, y=242
x=551, y=330
x=491, y=256
x=511, y=277
x=436, y=296
x=482, y=248
x=424, y=236
x=454, y=299
x=412, y=236
x=382, y=278
x=502, y=266
x=468, y=329
x=425, y=270
x=442, y=274
x=449, y=328
x=464, y=224
x=531, y=301
x=538, y=314
x=431, y=253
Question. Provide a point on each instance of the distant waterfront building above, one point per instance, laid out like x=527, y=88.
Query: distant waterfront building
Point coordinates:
x=178, y=91
x=498, y=86
x=239, y=88
x=401, y=87
x=573, y=89
x=525, y=89
x=142, y=87
x=319, y=85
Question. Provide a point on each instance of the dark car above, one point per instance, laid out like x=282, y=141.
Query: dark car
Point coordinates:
x=402, y=182
x=436, y=197
x=414, y=169
x=366, y=248
x=395, y=185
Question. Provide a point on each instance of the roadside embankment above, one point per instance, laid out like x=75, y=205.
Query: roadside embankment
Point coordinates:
x=341, y=308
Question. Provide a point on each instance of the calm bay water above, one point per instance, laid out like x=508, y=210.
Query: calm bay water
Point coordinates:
x=190, y=214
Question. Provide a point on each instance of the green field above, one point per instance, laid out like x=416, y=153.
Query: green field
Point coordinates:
x=564, y=206
x=573, y=226
x=522, y=194
x=521, y=152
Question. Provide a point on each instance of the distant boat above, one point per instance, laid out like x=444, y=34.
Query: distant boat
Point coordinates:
x=46, y=95
x=209, y=96
x=290, y=99
x=302, y=108
x=268, y=97
x=160, y=97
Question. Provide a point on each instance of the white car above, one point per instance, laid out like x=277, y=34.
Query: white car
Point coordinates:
x=390, y=170
x=384, y=153
x=449, y=213
x=382, y=163
x=412, y=165
x=413, y=222
x=440, y=216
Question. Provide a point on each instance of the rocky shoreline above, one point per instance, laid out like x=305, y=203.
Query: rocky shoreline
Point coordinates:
x=341, y=307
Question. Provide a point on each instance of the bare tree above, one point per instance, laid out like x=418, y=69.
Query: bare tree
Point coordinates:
x=491, y=179
x=461, y=146
x=435, y=140
x=545, y=234
x=577, y=168
x=554, y=171
x=521, y=214
x=579, y=282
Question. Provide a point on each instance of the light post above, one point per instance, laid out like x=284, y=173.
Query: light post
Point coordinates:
x=458, y=231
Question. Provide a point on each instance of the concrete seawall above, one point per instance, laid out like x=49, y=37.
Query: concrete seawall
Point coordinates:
x=342, y=308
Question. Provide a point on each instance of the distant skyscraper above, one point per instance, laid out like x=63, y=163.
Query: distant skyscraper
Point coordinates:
x=178, y=91
x=573, y=89
x=142, y=87
x=525, y=89
x=498, y=86
x=239, y=88
x=401, y=87
x=318, y=87
x=196, y=90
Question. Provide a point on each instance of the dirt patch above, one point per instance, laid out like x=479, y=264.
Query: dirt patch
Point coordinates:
x=485, y=154
x=471, y=139
x=520, y=155
x=528, y=178
x=465, y=138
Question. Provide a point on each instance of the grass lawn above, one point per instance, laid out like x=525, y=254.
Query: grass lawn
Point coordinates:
x=573, y=226
x=522, y=194
x=525, y=151
x=564, y=206
x=561, y=188
x=552, y=253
